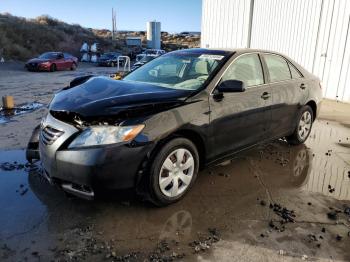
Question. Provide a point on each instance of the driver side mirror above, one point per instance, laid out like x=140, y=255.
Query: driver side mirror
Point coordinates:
x=231, y=86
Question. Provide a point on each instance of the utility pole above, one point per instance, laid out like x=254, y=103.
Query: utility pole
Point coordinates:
x=250, y=25
x=114, y=24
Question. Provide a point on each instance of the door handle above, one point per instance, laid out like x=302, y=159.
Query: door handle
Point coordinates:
x=265, y=95
x=302, y=86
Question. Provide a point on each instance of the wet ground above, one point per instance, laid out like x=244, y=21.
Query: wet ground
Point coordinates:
x=272, y=203
x=225, y=216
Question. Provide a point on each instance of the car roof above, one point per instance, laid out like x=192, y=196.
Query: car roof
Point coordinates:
x=53, y=52
x=227, y=51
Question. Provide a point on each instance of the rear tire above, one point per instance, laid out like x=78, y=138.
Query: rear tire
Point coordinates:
x=53, y=68
x=303, y=126
x=173, y=171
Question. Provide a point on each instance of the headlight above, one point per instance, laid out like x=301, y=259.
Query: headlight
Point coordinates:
x=45, y=63
x=104, y=135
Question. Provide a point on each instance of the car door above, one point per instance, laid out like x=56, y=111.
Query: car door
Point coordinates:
x=68, y=61
x=60, y=62
x=240, y=119
x=288, y=90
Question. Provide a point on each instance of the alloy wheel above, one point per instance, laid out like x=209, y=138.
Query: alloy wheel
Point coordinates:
x=176, y=172
x=304, y=126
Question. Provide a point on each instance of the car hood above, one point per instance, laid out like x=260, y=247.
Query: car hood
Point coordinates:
x=38, y=60
x=102, y=96
x=139, y=63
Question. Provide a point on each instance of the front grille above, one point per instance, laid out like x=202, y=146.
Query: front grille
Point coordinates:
x=50, y=135
x=32, y=66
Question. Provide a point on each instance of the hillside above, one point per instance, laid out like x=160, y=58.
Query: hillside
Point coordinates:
x=22, y=38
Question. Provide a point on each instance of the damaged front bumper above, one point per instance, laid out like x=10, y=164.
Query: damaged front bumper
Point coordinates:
x=82, y=171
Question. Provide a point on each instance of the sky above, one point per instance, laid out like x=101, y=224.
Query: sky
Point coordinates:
x=174, y=15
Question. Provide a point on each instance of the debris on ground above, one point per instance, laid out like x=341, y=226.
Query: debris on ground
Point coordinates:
x=347, y=210
x=312, y=238
x=22, y=193
x=331, y=189
x=224, y=175
x=163, y=253
x=205, y=241
x=279, y=228
x=7, y=166
x=280, y=158
x=284, y=213
x=332, y=215
x=263, y=202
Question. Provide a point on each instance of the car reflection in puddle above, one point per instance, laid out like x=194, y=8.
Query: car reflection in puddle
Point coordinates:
x=225, y=197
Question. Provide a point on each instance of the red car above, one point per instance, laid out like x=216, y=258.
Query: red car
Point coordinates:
x=52, y=61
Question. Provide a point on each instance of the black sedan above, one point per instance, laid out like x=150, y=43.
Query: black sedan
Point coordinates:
x=143, y=61
x=110, y=59
x=185, y=110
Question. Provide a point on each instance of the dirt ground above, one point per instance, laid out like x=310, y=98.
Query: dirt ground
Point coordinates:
x=271, y=203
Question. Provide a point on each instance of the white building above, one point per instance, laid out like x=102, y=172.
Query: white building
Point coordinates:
x=153, y=35
x=133, y=41
x=315, y=33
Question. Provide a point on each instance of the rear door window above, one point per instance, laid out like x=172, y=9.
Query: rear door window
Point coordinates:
x=278, y=68
x=246, y=68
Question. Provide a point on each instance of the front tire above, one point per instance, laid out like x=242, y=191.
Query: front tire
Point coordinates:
x=173, y=171
x=303, y=127
x=73, y=67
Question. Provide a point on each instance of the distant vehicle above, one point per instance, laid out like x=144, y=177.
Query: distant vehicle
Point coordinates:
x=155, y=52
x=110, y=59
x=52, y=61
x=143, y=61
x=185, y=34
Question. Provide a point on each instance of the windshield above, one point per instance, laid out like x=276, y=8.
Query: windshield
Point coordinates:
x=48, y=56
x=178, y=70
x=107, y=56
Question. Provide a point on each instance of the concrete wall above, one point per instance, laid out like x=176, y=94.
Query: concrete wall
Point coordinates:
x=315, y=33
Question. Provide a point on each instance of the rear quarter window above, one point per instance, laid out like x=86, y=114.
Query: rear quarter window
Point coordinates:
x=295, y=73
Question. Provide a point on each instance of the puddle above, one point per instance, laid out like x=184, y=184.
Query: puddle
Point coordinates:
x=228, y=207
x=7, y=115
